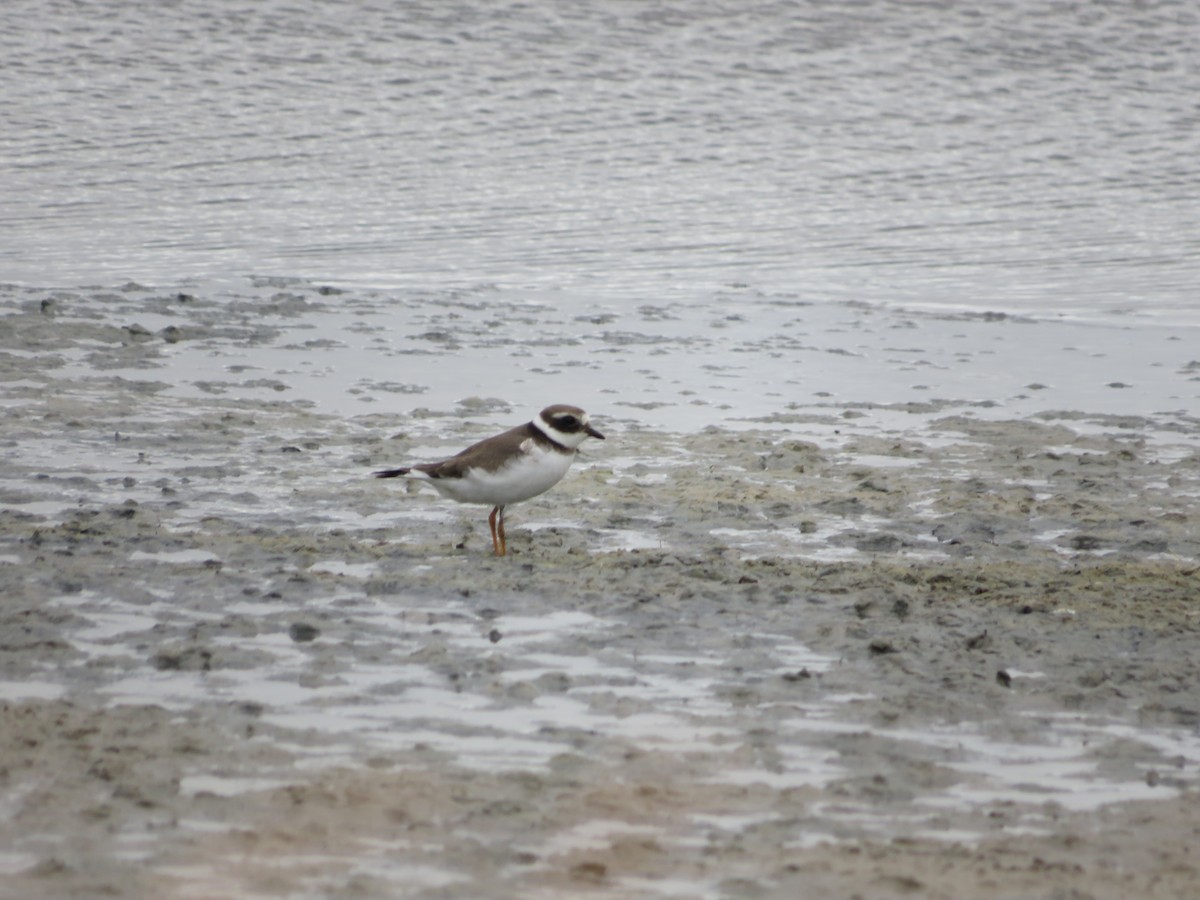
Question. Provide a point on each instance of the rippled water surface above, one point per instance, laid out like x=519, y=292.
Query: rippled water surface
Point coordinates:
x=1026, y=157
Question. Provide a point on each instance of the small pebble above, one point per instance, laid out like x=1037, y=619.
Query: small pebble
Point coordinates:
x=302, y=632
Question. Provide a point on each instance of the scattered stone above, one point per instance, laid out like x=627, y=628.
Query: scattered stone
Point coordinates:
x=303, y=633
x=187, y=659
x=977, y=641
x=592, y=872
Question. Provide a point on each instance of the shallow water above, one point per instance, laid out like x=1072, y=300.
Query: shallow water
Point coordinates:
x=742, y=359
x=1024, y=158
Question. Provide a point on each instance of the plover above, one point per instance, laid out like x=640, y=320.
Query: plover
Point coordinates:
x=513, y=466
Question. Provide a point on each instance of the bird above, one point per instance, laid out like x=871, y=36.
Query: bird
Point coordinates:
x=509, y=467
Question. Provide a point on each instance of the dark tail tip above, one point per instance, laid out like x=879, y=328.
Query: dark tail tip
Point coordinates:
x=392, y=473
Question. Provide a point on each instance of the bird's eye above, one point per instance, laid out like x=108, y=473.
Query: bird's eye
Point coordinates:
x=567, y=423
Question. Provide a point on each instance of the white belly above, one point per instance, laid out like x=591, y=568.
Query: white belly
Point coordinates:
x=527, y=476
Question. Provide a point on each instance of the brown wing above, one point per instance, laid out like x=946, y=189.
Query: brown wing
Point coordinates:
x=489, y=454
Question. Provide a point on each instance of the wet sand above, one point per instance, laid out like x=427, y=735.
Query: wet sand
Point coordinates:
x=799, y=657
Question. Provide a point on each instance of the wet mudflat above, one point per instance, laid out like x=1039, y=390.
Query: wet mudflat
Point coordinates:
x=938, y=646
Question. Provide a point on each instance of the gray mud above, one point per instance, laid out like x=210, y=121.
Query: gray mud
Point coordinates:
x=957, y=660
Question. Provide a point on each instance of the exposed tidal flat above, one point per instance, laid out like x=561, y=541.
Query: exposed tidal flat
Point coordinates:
x=772, y=638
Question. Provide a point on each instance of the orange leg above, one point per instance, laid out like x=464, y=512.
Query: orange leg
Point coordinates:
x=496, y=523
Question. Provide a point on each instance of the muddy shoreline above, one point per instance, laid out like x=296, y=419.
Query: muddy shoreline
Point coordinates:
x=811, y=656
